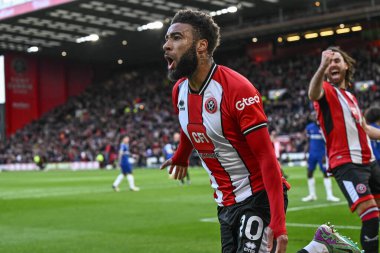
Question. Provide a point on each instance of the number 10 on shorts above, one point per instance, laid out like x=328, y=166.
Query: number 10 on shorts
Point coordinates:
x=246, y=225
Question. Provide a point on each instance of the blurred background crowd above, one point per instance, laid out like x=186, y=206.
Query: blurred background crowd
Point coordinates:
x=138, y=104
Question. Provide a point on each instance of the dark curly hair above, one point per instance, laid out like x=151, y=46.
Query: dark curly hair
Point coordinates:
x=203, y=24
x=372, y=114
x=348, y=60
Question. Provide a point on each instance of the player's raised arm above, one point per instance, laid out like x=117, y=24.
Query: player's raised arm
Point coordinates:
x=316, y=83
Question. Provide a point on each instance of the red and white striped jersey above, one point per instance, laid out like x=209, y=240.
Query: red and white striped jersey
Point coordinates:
x=216, y=120
x=340, y=119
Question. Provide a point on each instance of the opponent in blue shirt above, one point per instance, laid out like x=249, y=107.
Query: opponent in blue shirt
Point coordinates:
x=317, y=155
x=168, y=150
x=372, y=116
x=126, y=167
x=375, y=144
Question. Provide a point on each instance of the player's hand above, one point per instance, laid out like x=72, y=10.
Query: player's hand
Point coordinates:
x=364, y=124
x=282, y=242
x=327, y=56
x=166, y=164
x=180, y=171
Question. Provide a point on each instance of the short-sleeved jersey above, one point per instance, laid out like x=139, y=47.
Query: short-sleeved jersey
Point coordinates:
x=216, y=120
x=168, y=151
x=124, y=149
x=340, y=119
x=376, y=145
x=316, y=141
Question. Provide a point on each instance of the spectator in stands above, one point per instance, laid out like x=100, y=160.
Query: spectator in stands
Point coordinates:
x=40, y=161
x=276, y=144
x=372, y=116
x=100, y=159
x=351, y=160
x=277, y=150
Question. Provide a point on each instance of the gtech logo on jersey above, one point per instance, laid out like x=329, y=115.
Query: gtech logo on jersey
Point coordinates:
x=241, y=104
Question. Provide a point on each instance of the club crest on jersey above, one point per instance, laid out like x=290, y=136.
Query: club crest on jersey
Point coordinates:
x=211, y=105
x=361, y=188
x=181, y=105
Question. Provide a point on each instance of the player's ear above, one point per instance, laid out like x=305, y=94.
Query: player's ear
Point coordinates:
x=202, y=46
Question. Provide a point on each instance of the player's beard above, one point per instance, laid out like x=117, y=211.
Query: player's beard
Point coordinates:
x=337, y=79
x=186, y=65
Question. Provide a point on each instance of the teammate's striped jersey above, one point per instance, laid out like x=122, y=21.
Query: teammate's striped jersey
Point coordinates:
x=216, y=120
x=340, y=119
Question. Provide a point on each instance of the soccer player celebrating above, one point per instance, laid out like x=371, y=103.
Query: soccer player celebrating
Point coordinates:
x=221, y=116
x=126, y=167
x=317, y=153
x=351, y=159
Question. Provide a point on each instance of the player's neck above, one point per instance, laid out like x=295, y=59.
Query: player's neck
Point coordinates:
x=197, y=79
x=343, y=85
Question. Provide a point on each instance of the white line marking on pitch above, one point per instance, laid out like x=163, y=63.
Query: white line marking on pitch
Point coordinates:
x=317, y=225
x=39, y=193
x=214, y=220
x=300, y=208
x=293, y=209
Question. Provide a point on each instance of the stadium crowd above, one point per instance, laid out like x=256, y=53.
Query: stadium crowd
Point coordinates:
x=138, y=104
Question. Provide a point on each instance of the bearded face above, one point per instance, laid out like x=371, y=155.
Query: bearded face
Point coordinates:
x=186, y=65
x=336, y=72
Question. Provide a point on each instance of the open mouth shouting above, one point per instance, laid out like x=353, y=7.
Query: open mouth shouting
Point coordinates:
x=335, y=75
x=171, y=62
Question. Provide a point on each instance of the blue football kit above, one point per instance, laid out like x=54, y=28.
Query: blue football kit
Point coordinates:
x=125, y=165
x=317, y=150
x=375, y=144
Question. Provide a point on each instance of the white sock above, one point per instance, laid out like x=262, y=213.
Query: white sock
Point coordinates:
x=131, y=181
x=316, y=247
x=328, y=187
x=118, y=180
x=311, y=184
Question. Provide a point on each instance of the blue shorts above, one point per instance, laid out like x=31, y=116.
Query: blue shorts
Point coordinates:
x=315, y=159
x=126, y=168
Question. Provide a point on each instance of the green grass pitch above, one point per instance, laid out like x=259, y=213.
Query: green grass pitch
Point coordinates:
x=77, y=212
